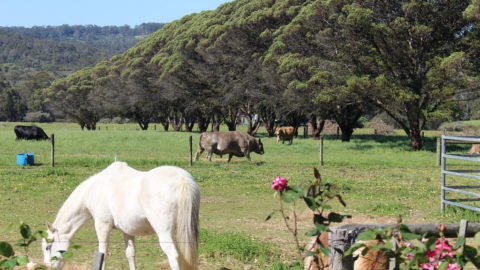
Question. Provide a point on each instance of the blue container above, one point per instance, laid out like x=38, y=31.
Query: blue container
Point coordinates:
x=25, y=159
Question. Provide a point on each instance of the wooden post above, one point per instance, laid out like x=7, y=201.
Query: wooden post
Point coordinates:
x=191, y=153
x=305, y=131
x=52, y=154
x=321, y=150
x=423, y=138
x=155, y=127
x=340, y=241
x=463, y=228
x=393, y=264
x=439, y=151
x=97, y=260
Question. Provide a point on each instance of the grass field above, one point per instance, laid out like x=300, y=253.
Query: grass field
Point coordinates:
x=379, y=177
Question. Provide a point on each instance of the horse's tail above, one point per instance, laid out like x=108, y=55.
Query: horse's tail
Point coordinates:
x=187, y=222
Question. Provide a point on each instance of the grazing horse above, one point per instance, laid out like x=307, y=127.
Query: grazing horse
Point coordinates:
x=160, y=201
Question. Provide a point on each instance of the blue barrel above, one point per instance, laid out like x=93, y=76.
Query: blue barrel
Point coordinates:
x=25, y=159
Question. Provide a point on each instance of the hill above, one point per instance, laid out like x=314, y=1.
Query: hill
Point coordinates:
x=114, y=39
x=22, y=57
x=61, y=50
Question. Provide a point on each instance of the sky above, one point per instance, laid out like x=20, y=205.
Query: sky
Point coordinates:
x=30, y=13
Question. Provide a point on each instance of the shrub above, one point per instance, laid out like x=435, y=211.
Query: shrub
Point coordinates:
x=105, y=120
x=378, y=126
x=41, y=117
x=456, y=127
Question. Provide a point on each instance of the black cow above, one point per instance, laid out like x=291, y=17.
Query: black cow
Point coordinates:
x=30, y=133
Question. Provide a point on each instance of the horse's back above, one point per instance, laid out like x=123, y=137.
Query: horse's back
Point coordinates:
x=129, y=198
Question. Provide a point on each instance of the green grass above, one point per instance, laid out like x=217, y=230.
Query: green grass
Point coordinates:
x=379, y=178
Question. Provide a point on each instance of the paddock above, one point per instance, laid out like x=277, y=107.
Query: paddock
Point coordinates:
x=378, y=175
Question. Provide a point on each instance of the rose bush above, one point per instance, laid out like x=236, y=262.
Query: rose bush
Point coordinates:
x=316, y=196
x=421, y=251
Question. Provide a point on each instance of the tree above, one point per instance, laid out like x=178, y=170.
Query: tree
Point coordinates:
x=12, y=107
x=76, y=97
x=405, y=56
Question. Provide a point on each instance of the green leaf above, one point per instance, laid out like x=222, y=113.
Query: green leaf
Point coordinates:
x=470, y=252
x=22, y=260
x=9, y=264
x=460, y=242
x=404, y=228
x=353, y=248
x=312, y=232
x=325, y=250
x=290, y=195
x=311, y=253
x=477, y=239
x=321, y=228
x=368, y=235
x=6, y=249
x=443, y=266
x=269, y=216
x=410, y=236
x=67, y=254
x=25, y=231
x=310, y=202
x=476, y=262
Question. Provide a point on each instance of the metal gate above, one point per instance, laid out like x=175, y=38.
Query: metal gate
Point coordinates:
x=470, y=173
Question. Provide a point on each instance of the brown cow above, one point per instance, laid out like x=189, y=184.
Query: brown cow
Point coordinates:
x=372, y=260
x=285, y=134
x=233, y=143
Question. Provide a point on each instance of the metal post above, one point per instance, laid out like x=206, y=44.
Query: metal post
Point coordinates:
x=52, y=154
x=443, y=166
x=97, y=260
x=439, y=151
x=321, y=150
x=191, y=153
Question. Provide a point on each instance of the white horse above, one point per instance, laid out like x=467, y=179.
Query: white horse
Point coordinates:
x=160, y=201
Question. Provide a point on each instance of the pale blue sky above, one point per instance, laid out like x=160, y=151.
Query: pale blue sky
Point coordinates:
x=98, y=12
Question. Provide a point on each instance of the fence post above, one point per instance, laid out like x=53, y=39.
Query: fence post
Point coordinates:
x=340, y=241
x=97, y=260
x=52, y=154
x=439, y=151
x=305, y=131
x=191, y=153
x=321, y=150
x=463, y=228
x=393, y=263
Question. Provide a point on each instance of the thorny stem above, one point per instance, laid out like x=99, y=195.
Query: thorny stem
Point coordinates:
x=293, y=231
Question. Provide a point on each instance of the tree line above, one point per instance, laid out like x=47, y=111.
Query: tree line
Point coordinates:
x=114, y=39
x=294, y=60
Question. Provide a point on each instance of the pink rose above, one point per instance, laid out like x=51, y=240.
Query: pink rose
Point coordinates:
x=279, y=183
x=453, y=266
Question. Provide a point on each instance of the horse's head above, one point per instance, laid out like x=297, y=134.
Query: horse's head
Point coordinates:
x=53, y=246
